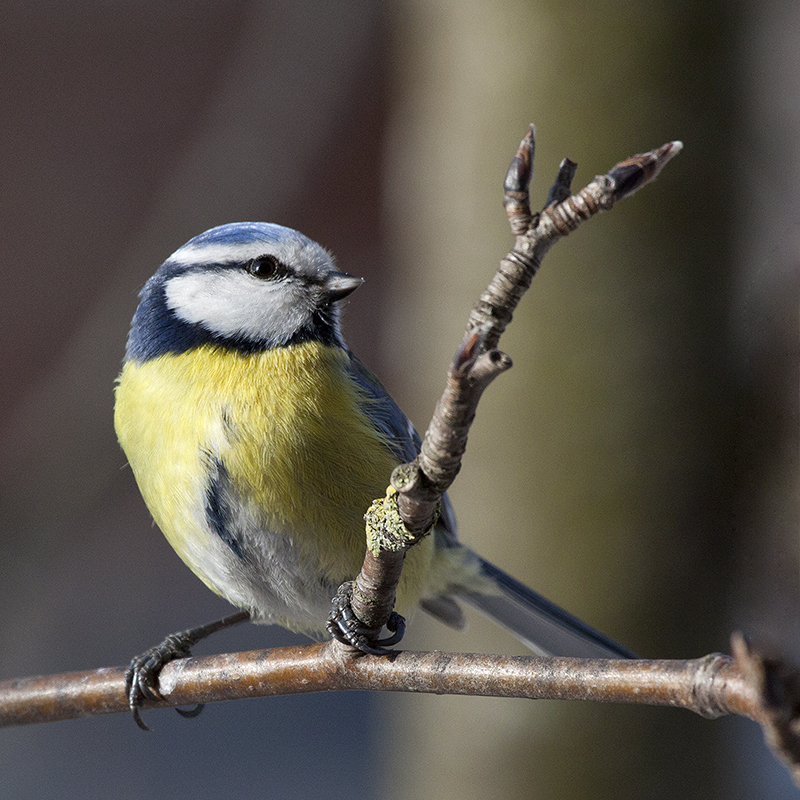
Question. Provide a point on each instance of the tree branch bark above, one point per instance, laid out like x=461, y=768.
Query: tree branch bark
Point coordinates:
x=765, y=690
x=711, y=686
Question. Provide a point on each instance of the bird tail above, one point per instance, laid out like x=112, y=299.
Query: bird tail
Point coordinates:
x=541, y=625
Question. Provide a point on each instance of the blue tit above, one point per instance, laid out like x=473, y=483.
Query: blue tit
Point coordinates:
x=258, y=440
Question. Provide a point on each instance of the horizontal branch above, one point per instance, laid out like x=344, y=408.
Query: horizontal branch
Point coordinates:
x=766, y=690
x=711, y=686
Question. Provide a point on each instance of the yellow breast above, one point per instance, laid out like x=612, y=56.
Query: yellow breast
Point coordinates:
x=288, y=426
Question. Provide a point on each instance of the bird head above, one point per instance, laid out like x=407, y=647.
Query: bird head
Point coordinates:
x=246, y=285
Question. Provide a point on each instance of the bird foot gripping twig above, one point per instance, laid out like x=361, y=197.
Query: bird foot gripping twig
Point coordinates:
x=344, y=626
x=141, y=677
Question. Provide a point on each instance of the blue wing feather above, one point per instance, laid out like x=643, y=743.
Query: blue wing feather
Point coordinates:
x=403, y=438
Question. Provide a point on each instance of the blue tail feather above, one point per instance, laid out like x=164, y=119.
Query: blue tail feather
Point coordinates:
x=541, y=625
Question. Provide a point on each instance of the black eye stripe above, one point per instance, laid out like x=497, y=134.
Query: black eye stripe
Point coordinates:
x=266, y=267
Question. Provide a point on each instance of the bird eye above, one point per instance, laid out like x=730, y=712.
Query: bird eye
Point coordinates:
x=264, y=267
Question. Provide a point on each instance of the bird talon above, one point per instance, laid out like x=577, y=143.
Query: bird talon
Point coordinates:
x=397, y=625
x=344, y=626
x=141, y=677
x=137, y=717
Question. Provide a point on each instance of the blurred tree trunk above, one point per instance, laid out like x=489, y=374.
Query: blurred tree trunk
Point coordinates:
x=601, y=470
x=767, y=354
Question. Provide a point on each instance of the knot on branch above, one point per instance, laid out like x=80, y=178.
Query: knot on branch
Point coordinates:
x=710, y=676
x=386, y=530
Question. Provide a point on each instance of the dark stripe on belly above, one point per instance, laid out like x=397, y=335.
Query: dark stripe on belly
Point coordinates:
x=218, y=508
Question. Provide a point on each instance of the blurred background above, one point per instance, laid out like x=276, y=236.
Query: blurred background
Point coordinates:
x=638, y=465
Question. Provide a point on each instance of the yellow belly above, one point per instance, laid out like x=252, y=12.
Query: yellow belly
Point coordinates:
x=287, y=425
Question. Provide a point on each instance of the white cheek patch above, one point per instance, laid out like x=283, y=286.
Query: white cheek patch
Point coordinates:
x=233, y=303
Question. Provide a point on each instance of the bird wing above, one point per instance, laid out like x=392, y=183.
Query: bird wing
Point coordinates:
x=402, y=436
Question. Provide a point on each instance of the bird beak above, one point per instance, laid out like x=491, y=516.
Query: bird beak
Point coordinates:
x=339, y=284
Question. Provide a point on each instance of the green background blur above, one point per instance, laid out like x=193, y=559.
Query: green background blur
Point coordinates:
x=638, y=465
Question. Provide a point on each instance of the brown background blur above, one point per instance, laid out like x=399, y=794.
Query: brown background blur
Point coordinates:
x=638, y=465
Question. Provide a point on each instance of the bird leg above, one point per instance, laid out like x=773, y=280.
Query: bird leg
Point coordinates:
x=141, y=679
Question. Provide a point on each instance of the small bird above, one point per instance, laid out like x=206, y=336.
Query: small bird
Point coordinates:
x=258, y=440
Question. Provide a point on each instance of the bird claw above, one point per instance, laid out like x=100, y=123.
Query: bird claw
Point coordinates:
x=141, y=677
x=344, y=626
